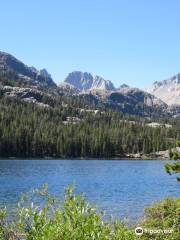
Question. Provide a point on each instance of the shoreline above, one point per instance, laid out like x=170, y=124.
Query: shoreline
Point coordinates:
x=86, y=158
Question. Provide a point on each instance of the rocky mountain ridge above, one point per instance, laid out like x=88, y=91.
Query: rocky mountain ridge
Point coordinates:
x=84, y=81
x=30, y=84
x=167, y=90
x=13, y=68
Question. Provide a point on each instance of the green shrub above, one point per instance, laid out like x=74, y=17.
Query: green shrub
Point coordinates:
x=73, y=219
x=39, y=216
x=163, y=215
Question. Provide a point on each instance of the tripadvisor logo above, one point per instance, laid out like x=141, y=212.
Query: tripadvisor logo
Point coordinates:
x=138, y=231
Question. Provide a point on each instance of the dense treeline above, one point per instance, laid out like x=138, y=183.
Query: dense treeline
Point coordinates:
x=27, y=130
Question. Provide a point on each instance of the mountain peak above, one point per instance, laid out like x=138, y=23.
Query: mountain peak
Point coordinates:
x=123, y=86
x=167, y=90
x=31, y=75
x=176, y=78
x=86, y=81
x=43, y=72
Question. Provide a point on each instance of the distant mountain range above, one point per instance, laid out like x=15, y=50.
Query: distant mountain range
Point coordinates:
x=168, y=90
x=30, y=84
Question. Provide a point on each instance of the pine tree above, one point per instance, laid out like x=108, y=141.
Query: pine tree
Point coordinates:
x=174, y=168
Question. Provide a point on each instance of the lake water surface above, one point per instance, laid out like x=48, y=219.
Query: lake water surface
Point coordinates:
x=120, y=187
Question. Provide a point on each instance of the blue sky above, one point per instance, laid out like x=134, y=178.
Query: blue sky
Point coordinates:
x=127, y=41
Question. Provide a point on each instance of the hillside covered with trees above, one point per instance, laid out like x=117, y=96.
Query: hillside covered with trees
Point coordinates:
x=70, y=128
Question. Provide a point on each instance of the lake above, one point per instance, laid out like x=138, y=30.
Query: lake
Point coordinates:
x=120, y=187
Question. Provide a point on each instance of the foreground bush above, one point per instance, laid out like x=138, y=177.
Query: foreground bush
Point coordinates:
x=164, y=215
x=41, y=217
x=72, y=219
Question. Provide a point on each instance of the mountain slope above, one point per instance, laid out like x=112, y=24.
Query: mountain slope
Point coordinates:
x=17, y=72
x=167, y=90
x=129, y=100
x=86, y=81
x=69, y=129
